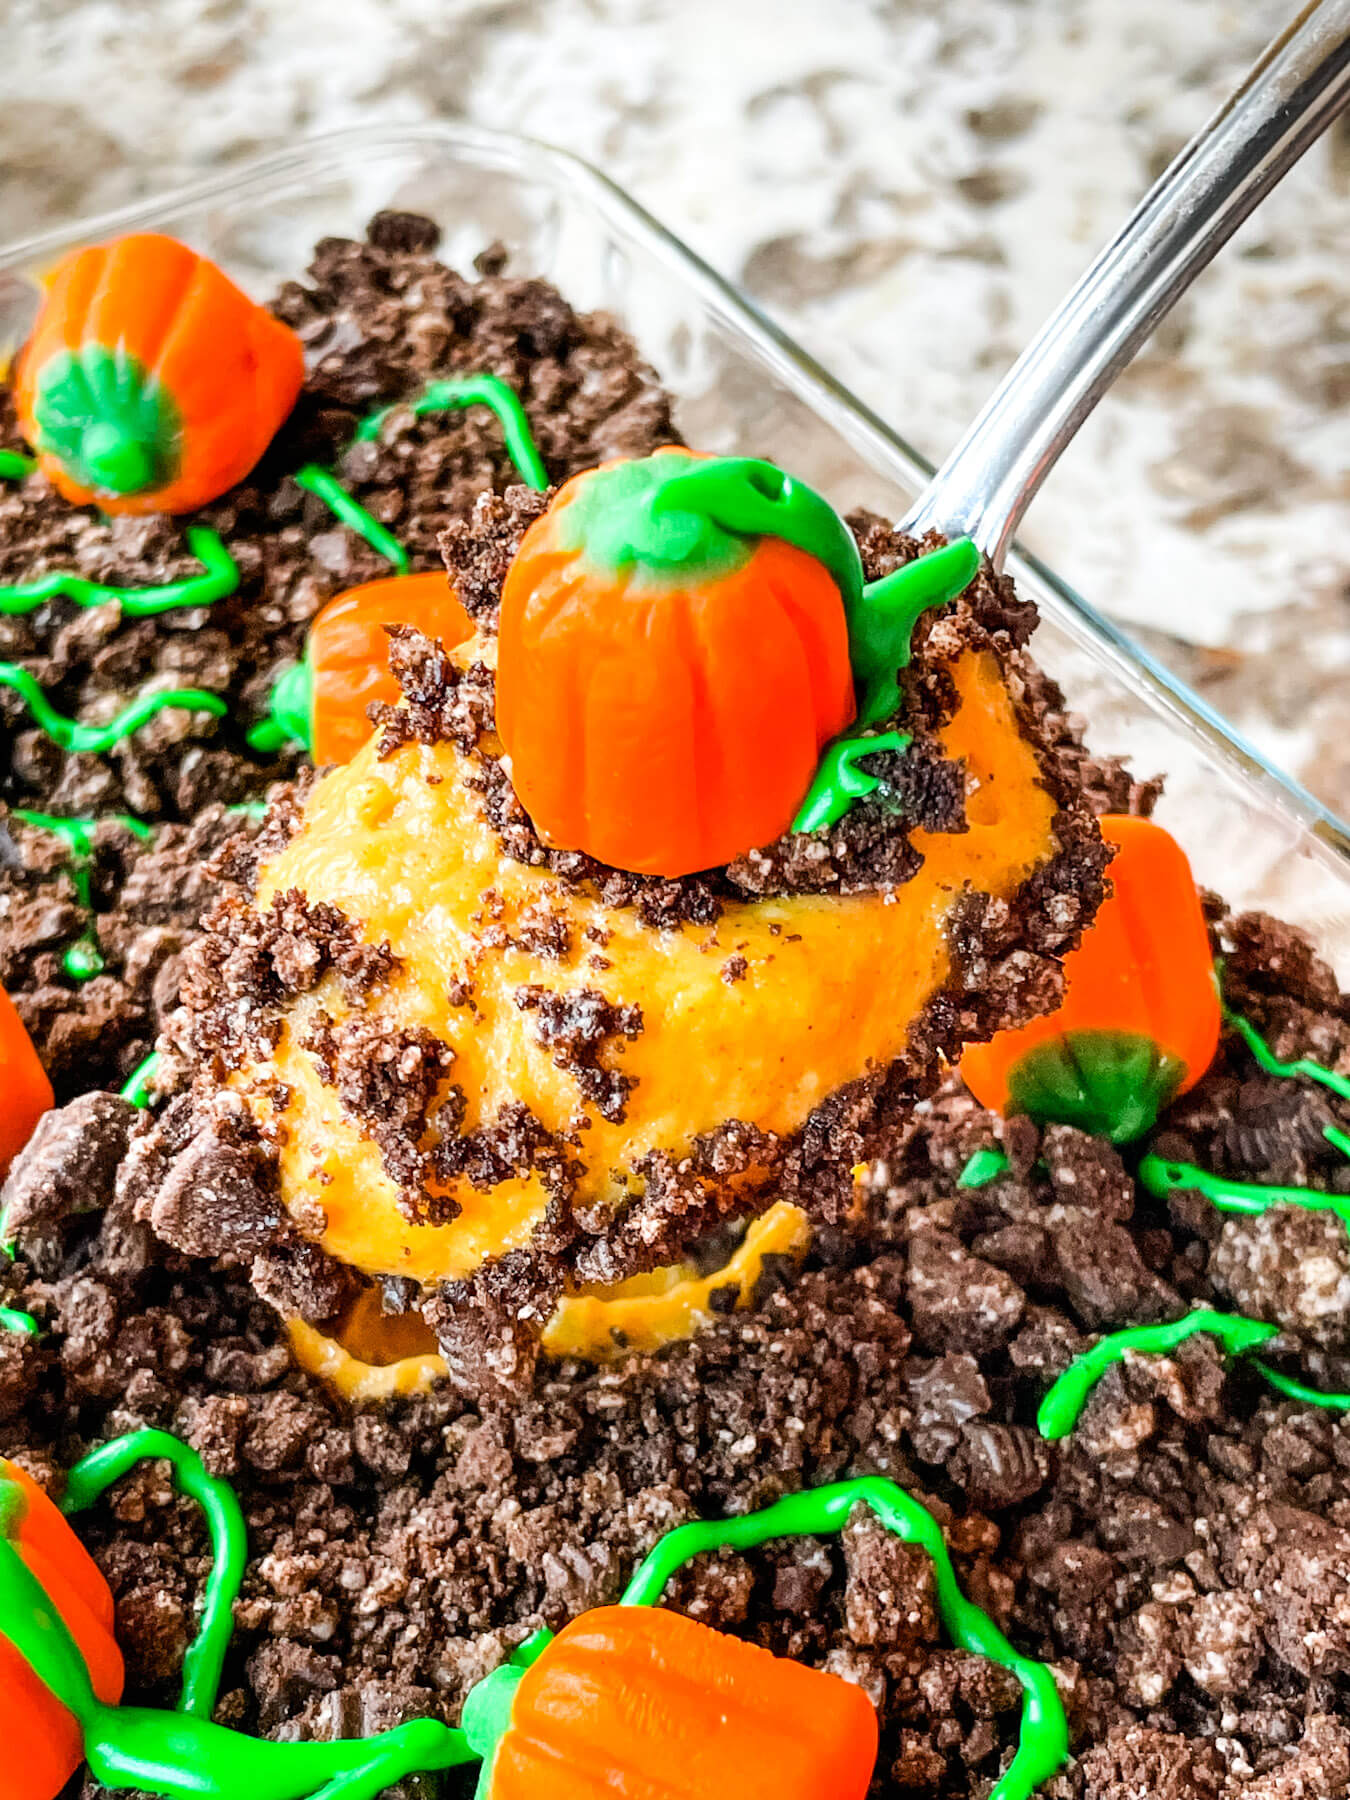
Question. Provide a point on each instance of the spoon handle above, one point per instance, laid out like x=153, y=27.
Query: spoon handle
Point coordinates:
x=1291, y=95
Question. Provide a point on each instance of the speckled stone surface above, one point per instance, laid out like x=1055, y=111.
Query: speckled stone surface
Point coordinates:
x=908, y=185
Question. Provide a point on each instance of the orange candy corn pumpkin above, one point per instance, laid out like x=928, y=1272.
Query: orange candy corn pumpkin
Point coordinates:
x=151, y=383
x=650, y=1705
x=25, y=1092
x=43, y=1744
x=1139, y=1022
x=348, y=653
x=672, y=657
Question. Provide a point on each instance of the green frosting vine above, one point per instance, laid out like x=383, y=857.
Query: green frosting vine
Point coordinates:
x=824, y=1511
x=1267, y=1060
x=94, y=1474
x=94, y=740
x=983, y=1167
x=219, y=577
x=186, y=1756
x=475, y=390
x=466, y=390
x=1162, y=1176
x=136, y=1088
x=344, y=506
x=1062, y=1406
x=839, y=781
x=15, y=466
x=183, y=1754
x=1060, y=1409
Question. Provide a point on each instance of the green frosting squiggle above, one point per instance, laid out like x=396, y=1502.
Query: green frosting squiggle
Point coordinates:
x=346, y=507
x=820, y=1512
x=1060, y=1409
x=94, y=1474
x=94, y=740
x=183, y=1754
x=84, y=958
x=1163, y=1177
x=219, y=577
x=475, y=390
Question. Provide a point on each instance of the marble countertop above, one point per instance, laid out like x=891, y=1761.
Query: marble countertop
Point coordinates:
x=908, y=186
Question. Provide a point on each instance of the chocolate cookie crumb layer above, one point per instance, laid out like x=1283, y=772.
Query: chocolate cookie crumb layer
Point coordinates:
x=1179, y=1558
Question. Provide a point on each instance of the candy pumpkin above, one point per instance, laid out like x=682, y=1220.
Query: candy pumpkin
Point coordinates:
x=649, y=1704
x=672, y=658
x=348, y=653
x=151, y=383
x=321, y=701
x=1139, y=1021
x=44, y=1742
x=25, y=1091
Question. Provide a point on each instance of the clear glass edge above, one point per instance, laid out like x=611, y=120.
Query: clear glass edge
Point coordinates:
x=851, y=417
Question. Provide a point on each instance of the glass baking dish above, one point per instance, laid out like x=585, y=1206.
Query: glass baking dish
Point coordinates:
x=742, y=387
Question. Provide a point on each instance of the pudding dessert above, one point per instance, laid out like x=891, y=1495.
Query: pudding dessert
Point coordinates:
x=515, y=1287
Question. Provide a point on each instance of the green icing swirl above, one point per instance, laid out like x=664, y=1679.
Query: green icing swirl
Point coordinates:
x=94, y=740
x=11, y=1319
x=820, y=1512
x=475, y=390
x=15, y=466
x=219, y=577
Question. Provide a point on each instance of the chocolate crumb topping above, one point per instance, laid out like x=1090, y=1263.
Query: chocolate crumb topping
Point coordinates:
x=574, y=1027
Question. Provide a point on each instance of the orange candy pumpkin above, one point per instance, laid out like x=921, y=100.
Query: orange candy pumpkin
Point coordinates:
x=644, y=1703
x=151, y=383
x=666, y=681
x=1139, y=1022
x=25, y=1091
x=43, y=1742
x=348, y=653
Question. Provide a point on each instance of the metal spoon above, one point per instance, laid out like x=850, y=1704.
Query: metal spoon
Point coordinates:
x=1286, y=101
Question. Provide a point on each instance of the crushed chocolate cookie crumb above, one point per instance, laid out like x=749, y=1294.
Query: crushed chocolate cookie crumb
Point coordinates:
x=574, y=1027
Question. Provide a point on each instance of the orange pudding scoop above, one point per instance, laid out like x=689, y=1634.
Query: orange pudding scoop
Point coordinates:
x=832, y=985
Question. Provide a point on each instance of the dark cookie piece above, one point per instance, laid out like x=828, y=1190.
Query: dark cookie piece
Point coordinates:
x=69, y=1165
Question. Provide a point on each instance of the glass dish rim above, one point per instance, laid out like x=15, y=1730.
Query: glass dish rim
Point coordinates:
x=852, y=417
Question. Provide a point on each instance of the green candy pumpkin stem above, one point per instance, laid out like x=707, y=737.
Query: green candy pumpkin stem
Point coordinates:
x=108, y=420
x=839, y=781
x=290, y=712
x=882, y=620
